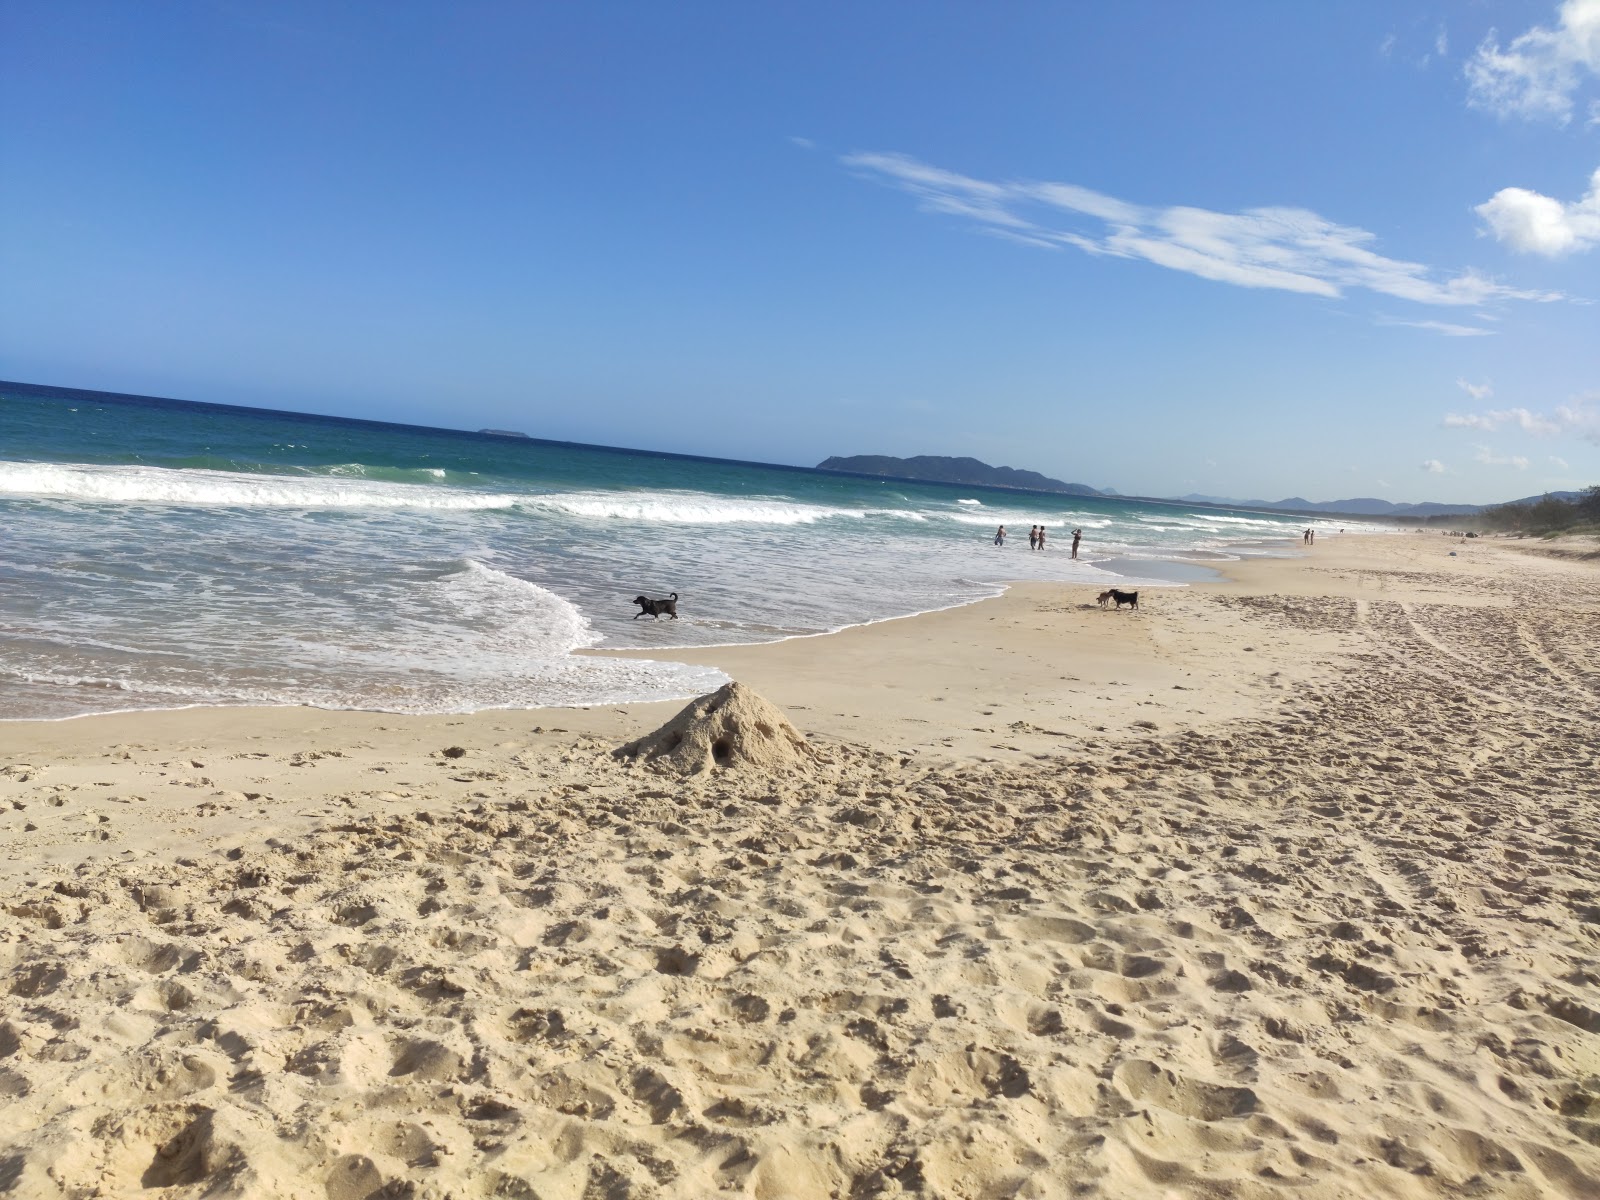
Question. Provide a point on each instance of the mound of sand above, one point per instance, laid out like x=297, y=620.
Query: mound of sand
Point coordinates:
x=732, y=727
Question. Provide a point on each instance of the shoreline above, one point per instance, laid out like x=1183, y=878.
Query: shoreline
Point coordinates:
x=1184, y=572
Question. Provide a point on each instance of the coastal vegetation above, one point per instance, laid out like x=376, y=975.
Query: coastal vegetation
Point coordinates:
x=1547, y=515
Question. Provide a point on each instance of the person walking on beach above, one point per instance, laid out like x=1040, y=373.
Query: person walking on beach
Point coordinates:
x=1000, y=536
x=1041, y=537
x=1077, y=536
x=1033, y=537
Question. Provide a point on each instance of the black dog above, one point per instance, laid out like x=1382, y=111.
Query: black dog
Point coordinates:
x=654, y=608
x=1131, y=599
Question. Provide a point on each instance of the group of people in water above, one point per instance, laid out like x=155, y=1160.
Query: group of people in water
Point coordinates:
x=1036, y=538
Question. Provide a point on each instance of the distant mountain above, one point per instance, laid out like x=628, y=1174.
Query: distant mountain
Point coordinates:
x=936, y=468
x=504, y=432
x=1366, y=506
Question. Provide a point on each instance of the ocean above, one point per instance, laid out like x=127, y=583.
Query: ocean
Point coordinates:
x=162, y=554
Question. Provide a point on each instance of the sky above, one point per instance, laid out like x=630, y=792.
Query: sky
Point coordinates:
x=1239, y=248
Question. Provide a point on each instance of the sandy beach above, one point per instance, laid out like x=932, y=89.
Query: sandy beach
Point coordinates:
x=1284, y=885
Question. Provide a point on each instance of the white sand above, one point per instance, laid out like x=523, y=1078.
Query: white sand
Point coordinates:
x=1288, y=886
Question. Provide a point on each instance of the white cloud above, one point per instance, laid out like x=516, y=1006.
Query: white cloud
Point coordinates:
x=1386, y=47
x=1433, y=466
x=1539, y=73
x=1560, y=462
x=1539, y=224
x=804, y=143
x=1441, y=43
x=1524, y=420
x=1579, y=418
x=1448, y=328
x=1290, y=249
x=1490, y=458
x=1478, y=391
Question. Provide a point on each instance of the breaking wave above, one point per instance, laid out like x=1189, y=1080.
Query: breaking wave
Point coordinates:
x=695, y=508
x=227, y=489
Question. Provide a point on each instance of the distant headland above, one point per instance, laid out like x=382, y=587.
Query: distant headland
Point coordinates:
x=936, y=468
x=505, y=432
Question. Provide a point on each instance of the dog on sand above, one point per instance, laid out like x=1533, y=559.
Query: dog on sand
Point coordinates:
x=1131, y=599
x=654, y=608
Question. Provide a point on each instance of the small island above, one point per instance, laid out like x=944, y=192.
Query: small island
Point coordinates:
x=504, y=433
x=936, y=468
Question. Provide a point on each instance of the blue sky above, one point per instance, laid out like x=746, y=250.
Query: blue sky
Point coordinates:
x=1248, y=248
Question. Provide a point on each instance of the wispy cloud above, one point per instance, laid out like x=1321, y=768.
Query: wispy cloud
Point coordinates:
x=1433, y=466
x=1580, y=418
x=1478, y=391
x=1489, y=458
x=1538, y=224
x=1290, y=249
x=1447, y=328
x=1557, y=461
x=1521, y=418
x=1540, y=73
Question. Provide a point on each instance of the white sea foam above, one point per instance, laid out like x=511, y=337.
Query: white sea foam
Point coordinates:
x=696, y=508
x=514, y=615
x=474, y=638
x=1017, y=516
x=228, y=489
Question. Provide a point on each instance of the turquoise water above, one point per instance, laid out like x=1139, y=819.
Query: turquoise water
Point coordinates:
x=161, y=554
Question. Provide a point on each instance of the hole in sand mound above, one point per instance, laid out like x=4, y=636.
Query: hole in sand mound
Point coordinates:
x=674, y=960
x=427, y=1060
x=150, y=956
x=181, y=1144
x=37, y=979
x=356, y=1177
x=173, y=997
x=355, y=915
x=732, y=728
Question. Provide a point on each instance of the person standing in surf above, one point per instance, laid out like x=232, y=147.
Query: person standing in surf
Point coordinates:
x=1041, y=537
x=1033, y=537
x=1077, y=536
x=1000, y=536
